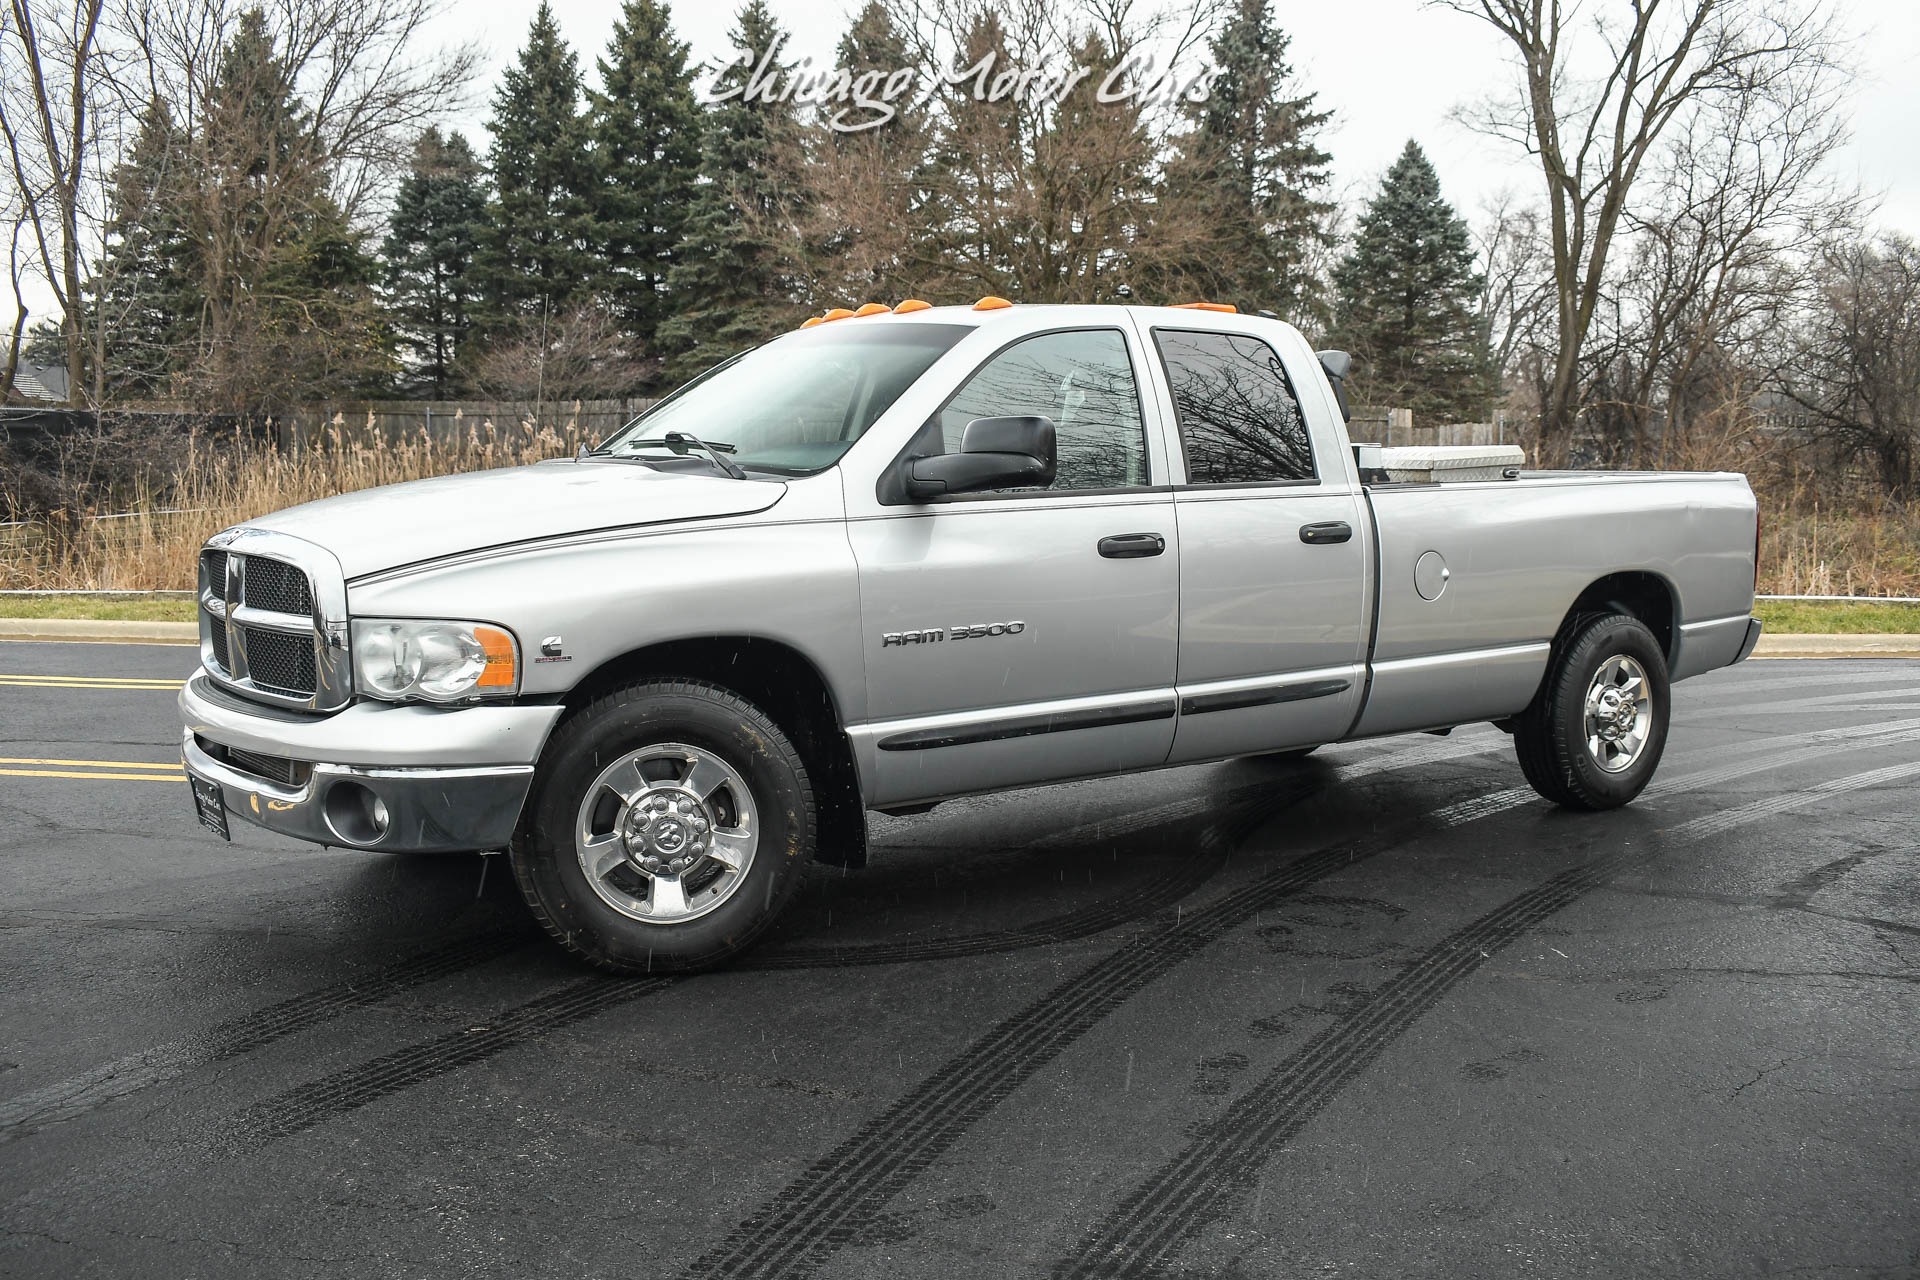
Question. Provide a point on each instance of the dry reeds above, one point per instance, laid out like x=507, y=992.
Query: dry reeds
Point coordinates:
x=153, y=542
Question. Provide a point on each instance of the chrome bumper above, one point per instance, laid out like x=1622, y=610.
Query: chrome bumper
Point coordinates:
x=445, y=779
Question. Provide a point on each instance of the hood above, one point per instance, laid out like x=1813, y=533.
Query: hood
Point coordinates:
x=400, y=524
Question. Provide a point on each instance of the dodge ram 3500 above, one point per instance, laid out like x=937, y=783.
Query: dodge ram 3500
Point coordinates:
x=915, y=554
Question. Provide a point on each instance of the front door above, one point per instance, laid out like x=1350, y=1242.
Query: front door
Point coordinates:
x=1273, y=556
x=1025, y=635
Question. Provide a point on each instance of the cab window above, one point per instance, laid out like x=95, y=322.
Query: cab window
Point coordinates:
x=1240, y=422
x=1082, y=380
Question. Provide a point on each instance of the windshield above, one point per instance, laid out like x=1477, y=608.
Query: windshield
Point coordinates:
x=793, y=406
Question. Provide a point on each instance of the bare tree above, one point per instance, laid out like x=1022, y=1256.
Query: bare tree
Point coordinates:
x=1597, y=94
x=1853, y=359
x=1737, y=203
x=581, y=353
x=54, y=83
x=368, y=84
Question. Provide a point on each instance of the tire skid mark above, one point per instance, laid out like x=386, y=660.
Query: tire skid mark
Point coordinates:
x=1218, y=1170
x=79, y=1094
x=347, y=1091
x=831, y=1203
x=838, y=1196
x=304, y=1106
x=75, y=1096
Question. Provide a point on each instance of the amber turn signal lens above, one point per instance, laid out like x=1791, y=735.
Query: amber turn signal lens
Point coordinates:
x=501, y=670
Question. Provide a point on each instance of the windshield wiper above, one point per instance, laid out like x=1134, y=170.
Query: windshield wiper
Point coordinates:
x=677, y=441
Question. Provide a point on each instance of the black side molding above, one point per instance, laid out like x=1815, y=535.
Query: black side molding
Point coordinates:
x=1238, y=699
x=1028, y=726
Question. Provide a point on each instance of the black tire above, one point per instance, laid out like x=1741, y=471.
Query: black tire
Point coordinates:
x=715, y=721
x=1551, y=735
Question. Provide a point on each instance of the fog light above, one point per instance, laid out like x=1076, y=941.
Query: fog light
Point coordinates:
x=355, y=814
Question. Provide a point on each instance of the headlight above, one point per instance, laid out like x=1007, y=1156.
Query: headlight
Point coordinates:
x=397, y=660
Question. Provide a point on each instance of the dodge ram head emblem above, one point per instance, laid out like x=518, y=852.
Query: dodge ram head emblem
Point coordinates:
x=939, y=635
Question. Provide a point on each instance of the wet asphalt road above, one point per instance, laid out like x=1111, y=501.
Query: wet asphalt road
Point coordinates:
x=1377, y=1013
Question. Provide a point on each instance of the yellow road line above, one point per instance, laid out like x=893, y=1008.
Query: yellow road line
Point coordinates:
x=74, y=675
x=111, y=777
x=91, y=764
x=84, y=682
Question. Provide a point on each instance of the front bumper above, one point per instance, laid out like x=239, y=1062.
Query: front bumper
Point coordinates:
x=445, y=779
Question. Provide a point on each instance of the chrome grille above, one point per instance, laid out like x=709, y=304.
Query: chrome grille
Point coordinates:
x=279, y=662
x=217, y=641
x=273, y=620
x=277, y=585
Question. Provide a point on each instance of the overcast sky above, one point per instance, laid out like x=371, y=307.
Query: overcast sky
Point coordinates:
x=1388, y=69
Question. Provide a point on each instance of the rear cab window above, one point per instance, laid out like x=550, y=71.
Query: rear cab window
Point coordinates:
x=1240, y=422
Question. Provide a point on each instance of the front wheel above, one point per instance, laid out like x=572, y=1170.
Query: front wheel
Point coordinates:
x=669, y=824
x=1593, y=735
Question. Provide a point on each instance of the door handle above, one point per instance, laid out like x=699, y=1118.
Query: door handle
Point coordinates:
x=1132, y=546
x=1327, y=531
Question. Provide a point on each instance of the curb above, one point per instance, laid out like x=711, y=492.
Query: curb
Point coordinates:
x=1837, y=646
x=89, y=630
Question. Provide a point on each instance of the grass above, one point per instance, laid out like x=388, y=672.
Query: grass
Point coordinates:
x=1829, y=618
x=100, y=608
x=1783, y=617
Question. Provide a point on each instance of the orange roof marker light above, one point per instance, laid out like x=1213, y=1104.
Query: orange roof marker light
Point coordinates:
x=872, y=309
x=838, y=313
x=911, y=305
x=1227, y=307
x=811, y=321
x=991, y=303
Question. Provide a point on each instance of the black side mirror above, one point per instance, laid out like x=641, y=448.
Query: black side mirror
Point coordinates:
x=995, y=453
x=1337, y=365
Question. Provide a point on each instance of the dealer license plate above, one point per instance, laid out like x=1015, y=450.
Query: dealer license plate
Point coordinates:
x=211, y=805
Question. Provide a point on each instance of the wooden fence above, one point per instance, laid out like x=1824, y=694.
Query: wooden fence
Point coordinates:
x=1397, y=429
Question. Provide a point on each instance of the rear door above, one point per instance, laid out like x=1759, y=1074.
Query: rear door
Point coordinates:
x=1024, y=635
x=1273, y=551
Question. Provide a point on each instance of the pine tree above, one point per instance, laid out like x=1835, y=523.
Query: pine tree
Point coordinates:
x=1253, y=169
x=866, y=210
x=1407, y=300
x=736, y=283
x=287, y=309
x=535, y=260
x=646, y=153
x=144, y=290
x=439, y=213
x=231, y=275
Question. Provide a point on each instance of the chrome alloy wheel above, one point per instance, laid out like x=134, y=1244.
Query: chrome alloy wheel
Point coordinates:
x=667, y=833
x=1619, y=713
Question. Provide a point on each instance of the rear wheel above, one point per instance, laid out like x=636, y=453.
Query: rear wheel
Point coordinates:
x=668, y=826
x=1594, y=734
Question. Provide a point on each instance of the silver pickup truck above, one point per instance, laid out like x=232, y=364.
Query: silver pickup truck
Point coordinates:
x=916, y=553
